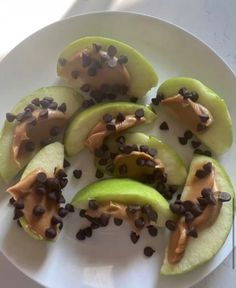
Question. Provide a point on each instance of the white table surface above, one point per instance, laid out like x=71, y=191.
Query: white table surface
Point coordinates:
x=213, y=21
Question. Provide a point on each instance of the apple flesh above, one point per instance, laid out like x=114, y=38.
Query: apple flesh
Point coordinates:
x=8, y=167
x=218, y=137
x=143, y=75
x=82, y=124
x=211, y=239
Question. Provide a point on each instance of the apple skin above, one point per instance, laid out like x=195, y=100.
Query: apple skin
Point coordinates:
x=211, y=239
x=124, y=191
x=8, y=168
x=82, y=124
x=219, y=136
x=171, y=160
x=142, y=80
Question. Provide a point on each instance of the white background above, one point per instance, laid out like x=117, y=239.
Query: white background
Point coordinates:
x=213, y=21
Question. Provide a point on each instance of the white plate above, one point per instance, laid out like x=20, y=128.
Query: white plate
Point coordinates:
x=108, y=259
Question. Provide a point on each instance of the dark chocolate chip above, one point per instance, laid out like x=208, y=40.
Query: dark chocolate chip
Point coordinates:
x=30, y=107
x=12, y=201
x=53, y=184
x=195, y=144
x=82, y=213
x=92, y=71
x=171, y=225
x=99, y=174
x=123, y=169
x=148, y=251
x=40, y=191
x=118, y=221
x=80, y=235
x=92, y=204
x=183, y=91
x=164, y=126
x=19, y=204
x=62, y=61
x=201, y=127
x=111, y=127
x=94, y=226
x=62, y=107
x=188, y=205
x=52, y=196
x=196, y=210
x=77, y=173
x=107, y=118
x=183, y=140
x=88, y=231
x=63, y=182
x=188, y=134
x=120, y=117
x=152, y=152
x=61, y=173
x=18, y=214
x=152, y=230
x=36, y=102
x=224, y=197
x=200, y=173
x=10, y=117
x=41, y=177
x=62, y=212
x=19, y=117
x=120, y=140
x=38, y=210
x=104, y=219
x=50, y=233
x=85, y=88
x=194, y=96
x=207, y=167
x=61, y=199
x=151, y=214
x=88, y=103
x=150, y=163
x=192, y=232
x=55, y=220
x=69, y=207
x=207, y=153
x=144, y=148
x=206, y=192
x=134, y=237
x=111, y=51
x=177, y=208
x=43, y=114
x=123, y=59
x=198, y=151
x=44, y=103
x=86, y=60
x=202, y=201
x=189, y=217
x=32, y=121
x=66, y=163
x=140, y=161
x=139, y=113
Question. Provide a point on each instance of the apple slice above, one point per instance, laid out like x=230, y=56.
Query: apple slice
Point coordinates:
x=48, y=159
x=200, y=250
x=60, y=94
x=83, y=123
x=171, y=160
x=142, y=75
x=218, y=137
x=124, y=191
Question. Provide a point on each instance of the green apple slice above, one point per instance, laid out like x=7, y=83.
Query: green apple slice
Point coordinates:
x=142, y=74
x=124, y=191
x=173, y=163
x=8, y=167
x=81, y=125
x=47, y=159
x=211, y=239
x=218, y=137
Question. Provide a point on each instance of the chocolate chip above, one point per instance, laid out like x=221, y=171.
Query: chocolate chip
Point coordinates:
x=63, y=182
x=96, y=47
x=38, y=210
x=85, y=88
x=32, y=121
x=55, y=220
x=201, y=127
x=207, y=167
x=111, y=51
x=120, y=140
x=148, y=251
x=77, y=173
x=107, y=118
x=94, y=226
x=43, y=114
x=70, y=208
x=200, y=173
x=62, y=107
x=10, y=117
x=171, y=225
x=196, y=210
x=195, y=144
x=66, y=163
x=111, y=127
x=188, y=205
x=140, y=161
x=12, y=201
x=62, y=212
x=192, y=232
x=151, y=214
x=19, y=117
x=82, y=213
x=75, y=74
x=86, y=60
x=164, y=126
x=88, y=232
x=50, y=233
x=48, y=98
x=224, y=197
x=183, y=140
x=40, y=191
x=30, y=107
x=92, y=71
x=61, y=199
x=177, y=208
x=92, y=204
x=144, y=148
x=62, y=61
x=198, y=151
x=52, y=196
x=207, y=153
x=99, y=174
x=104, y=219
x=156, y=101
x=194, y=96
x=36, y=102
x=139, y=113
x=53, y=184
x=18, y=214
x=118, y=221
x=188, y=217
x=202, y=201
x=123, y=59
x=134, y=237
x=41, y=177
x=150, y=163
x=183, y=91
x=61, y=173
x=120, y=117
x=206, y=192
x=133, y=209
x=152, y=230
x=80, y=235
x=88, y=103
x=19, y=204
x=44, y=103
x=188, y=134
x=123, y=169
x=152, y=152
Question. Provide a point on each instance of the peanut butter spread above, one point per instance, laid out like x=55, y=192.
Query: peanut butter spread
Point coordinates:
x=95, y=68
x=25, y=189
x=37, y=132
x=99, y=132
x=135, y=170
x=179, y=238
x=191, y=114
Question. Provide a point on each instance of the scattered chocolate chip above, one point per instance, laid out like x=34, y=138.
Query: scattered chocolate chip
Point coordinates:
x=70, y=208
x=80, y=235
x=30, y=107
x=183, y=91
x=36, y=102
x=206, y=192
x=148, y=251
x=44, y=103
x=120, y=117
x=104, y=219
x=207, y=167
x=164, y=126
x=188, y=134
x=38, y=210
x=150, y=163
x=88, y=232
x=152, y=230
x=118, y=221
x=152, y=152
x=85, y=88
x=43, y=114
x=189, y=217
x=194, y=96
x=62, y=61
x=19, y=117
x=151, y=214
x=224, y=197
x=188, y=205
x=61, y=199
x=19, y=204
x=92, y=204
x=207, y=153
x=62, y=212
x=111, y=51
x=40, y=191
x=86, y=60
x=140, y=161
x=183, y=140
x=82, y=213
x=111, y=127
x=196, y=210
x=144, y=148
x=198, y=151
x=77, y=173
x=177, y=208
x=12, y=201
x=134, y=237
x=55, y=220
x=192, y=232
x=53, y=183
x=139, y=223
x=202, y=201
x=52, y=196
x=195, y=144
x=18, y=214
x=41, y=177
x=127, y=149
x=94, y=226
x=201, y=127
x=200, y=173
x=107, y=118
x=50, y=233
x=99, y=174
x=32, y=121
x=171, y=225
x=139, y=113
x=62, y=107
x=120, y=140
x=88, y=103
x=63, y=182
x=123, y=59
x=66, y=163
x=61, y=173
x=123, y=169
x=10, y=117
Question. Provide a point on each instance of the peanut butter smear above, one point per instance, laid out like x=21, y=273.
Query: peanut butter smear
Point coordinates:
x=94, y=68
x=119, y=210
x=192, y=115
x=148, y=165
x=99, y=132
x=179, y=238
x=25, y=189
x=38, y=132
